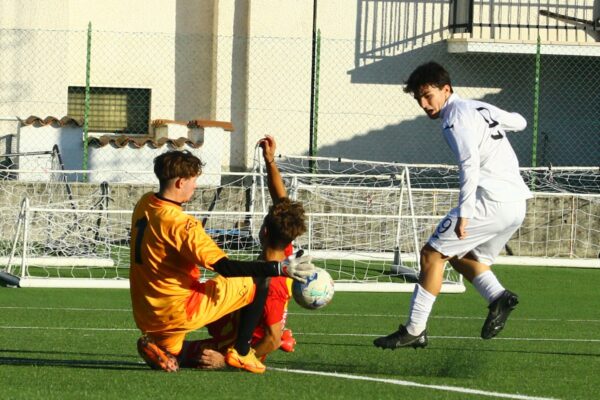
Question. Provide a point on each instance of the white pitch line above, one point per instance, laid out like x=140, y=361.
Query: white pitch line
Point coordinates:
x=65, y=309
x=65, y=328
x=296, y=333
x=412, y=384
x=315, y=314
x=512, y=318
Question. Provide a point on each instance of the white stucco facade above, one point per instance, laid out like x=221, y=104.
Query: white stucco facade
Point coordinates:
x=249, y=63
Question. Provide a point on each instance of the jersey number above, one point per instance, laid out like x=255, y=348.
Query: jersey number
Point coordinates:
x=492, y=123
x=442, y=227
x=141, y=225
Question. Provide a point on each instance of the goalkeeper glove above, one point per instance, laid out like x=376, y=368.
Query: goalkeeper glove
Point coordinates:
x=298, y=268
x=287, y=341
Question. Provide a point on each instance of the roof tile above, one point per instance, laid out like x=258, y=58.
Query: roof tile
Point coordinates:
x=140, y=141
x=37, y=121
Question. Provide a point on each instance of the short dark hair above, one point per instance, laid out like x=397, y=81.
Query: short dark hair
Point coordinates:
x=284, y=222
x=176, y=164
x=430, y=73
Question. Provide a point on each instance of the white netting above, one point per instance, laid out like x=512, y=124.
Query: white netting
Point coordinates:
x=562, y=226
x=366, y=221
x=363, y=217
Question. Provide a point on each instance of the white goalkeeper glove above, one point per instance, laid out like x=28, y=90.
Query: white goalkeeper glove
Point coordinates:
x=299, y=268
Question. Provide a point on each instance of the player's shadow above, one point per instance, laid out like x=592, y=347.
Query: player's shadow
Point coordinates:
x=444, y=366
x=508, y=351
x=21, y=358
x=432, y=362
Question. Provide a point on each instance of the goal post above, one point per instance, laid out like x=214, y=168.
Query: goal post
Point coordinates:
x=366, y=220
x=362, y=225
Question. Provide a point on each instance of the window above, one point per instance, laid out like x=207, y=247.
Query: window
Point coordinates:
x=115, y=110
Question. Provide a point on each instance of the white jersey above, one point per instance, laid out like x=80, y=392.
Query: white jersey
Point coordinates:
x=475, y=131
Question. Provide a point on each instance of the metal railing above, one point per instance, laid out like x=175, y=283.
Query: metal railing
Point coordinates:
x=560, y=21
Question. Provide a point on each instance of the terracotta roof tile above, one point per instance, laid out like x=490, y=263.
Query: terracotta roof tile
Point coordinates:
x=137, y=140
x=140, y=141
x=37, y=121
x=204, y=123
x=196, y=123
x=163, y=122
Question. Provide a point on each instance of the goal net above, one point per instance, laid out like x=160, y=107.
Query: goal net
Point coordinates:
x=366, y=221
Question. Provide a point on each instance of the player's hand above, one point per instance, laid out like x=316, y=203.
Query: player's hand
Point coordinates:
x=211, y=359
x=298, y=268
x=287, y=341
x=461, y=227
x=268, y=146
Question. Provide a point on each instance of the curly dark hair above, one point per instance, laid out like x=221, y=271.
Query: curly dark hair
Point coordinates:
x=284, y=222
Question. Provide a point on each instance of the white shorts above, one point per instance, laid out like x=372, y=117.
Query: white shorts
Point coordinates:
x=487, y=232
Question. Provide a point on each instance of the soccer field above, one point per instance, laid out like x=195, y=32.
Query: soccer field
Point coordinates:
x=80, y=343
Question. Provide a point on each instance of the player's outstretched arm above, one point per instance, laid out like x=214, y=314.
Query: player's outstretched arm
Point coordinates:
x=298, y=269
x=274, y=181
x=511, y=121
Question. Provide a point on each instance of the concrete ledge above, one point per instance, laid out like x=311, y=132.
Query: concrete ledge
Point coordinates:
x=468, y=45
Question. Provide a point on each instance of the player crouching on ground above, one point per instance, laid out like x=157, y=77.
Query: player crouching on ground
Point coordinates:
x=167, y=248
x=284, y=222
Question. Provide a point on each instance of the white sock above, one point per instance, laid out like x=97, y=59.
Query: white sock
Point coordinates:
x=421, y=304
x=488, y=286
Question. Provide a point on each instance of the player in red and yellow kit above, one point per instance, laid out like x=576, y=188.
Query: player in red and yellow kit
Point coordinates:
x=283, y=224
x=168, y=300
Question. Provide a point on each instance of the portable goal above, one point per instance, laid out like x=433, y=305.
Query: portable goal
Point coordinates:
x=366, y=220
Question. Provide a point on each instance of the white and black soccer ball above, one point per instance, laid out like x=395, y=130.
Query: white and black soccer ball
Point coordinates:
x=316, y=293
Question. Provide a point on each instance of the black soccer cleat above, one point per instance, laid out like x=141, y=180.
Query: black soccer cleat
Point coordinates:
x=499, y=311
x=401, y=338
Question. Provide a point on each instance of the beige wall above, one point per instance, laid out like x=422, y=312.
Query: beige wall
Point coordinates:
x=249, y=62
x=137, y=44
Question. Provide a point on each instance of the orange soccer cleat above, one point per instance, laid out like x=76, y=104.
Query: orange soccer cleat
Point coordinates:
x=287, y=341
x=156, y=357
x=249, y=362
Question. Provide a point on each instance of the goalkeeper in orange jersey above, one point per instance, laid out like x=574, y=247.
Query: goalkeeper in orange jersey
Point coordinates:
x=284, y=222
x=167, y=248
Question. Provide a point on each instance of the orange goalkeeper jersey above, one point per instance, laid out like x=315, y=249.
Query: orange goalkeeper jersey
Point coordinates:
x=167, y=245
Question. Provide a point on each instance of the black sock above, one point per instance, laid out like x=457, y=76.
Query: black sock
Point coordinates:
x=250, y=315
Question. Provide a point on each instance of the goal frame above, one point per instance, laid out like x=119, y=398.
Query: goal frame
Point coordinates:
x=254, y=211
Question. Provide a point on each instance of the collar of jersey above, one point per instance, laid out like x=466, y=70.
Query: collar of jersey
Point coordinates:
x=167, y=200
x=451, y=99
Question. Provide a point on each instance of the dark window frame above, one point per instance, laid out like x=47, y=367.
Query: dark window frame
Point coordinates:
x=112, y=109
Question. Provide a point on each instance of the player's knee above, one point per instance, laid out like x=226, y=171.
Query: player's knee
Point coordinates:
x=430, y=258
x=427, y=254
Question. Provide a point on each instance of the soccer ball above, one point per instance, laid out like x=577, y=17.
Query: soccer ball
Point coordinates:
x=316, y=293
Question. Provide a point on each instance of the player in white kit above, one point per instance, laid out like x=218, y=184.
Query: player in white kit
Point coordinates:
x=491, y=204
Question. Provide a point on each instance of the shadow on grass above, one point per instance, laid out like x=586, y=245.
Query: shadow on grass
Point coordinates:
x=79, y=353
x=369, y=344
x=401, y=363
x=509, y=351
x=95, y=364
x=442, y=367
x=20, y=358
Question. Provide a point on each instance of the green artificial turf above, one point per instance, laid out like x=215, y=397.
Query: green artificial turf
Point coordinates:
x=80, y=343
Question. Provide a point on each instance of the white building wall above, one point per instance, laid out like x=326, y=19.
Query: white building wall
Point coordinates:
x=134, y=45
x=248, y=62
